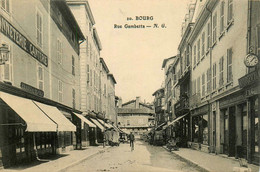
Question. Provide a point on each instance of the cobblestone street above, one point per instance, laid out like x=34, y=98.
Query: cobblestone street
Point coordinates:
x=144, y=158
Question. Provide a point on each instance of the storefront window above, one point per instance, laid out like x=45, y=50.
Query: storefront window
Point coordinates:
x=205, y=129
x=256, y=121
x=200, y=129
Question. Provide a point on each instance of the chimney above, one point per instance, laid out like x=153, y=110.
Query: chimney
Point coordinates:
x=137, y=102
x=120, y=102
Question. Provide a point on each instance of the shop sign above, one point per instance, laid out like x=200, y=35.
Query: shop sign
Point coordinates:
x=202, y=110
x=8, y=30
x=231, y=99
x=32, y=89
x=248, y=79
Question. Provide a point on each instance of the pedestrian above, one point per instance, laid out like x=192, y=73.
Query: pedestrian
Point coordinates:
x=132, y=139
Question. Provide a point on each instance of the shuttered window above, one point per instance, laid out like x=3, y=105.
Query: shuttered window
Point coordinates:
x=40, y=77
x=214, y=76
x=194, y=55
x=203, y=84
x=203, y=44
x=221, y=71
x=198, y=45
x=208, y=81
x=230, y=11
x=39, y=26
x=229, y=65
x=5, y=4
x=214, y=38
x=60, y=91
x=208, y=37
x=222, y=6
x=198, y=85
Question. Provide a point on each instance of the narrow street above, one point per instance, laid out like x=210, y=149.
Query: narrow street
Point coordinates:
x=145, y=157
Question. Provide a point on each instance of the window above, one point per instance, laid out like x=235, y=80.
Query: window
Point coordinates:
x=60, y=91
x=198, y=85
x=73, y=98
x=214, y=39
x=221, y=30
x=230, y=11
x=59, y=51
x=188, y=56
x=221, y=71
x=203, y=84
x=7, y=69
x=194, y=54
x=5, y=5
x=73, y=65
x=208, y=81
x=39, y=28
x=105, y=90
x=128, y=122
x=87, y=73
x=90, y=52
x=229, y=65
x=203, y=44
x=87, y=46
x=198, y=51
x=209, y=38
x=214, y=76
x=40, y=75
x=194, y=87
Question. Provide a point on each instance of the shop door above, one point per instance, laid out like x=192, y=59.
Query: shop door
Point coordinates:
x=255, y=131
x=226, y=124
x=232, y=132
x=244, y=131
x=214, y=131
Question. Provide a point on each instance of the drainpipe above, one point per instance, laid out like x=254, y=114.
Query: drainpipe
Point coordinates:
x=210, y=54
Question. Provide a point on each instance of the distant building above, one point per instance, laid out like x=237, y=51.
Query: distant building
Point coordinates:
x=159, y=101
x=135, y=116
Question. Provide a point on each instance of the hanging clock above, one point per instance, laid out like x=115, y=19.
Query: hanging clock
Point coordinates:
x=251, y=60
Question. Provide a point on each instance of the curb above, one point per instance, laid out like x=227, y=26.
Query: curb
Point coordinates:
x=81, y=160
x=203, y=169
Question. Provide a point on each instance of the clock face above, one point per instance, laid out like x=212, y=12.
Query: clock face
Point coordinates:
x=251, y=60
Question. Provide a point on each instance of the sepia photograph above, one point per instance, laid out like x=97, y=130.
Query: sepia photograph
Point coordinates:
x=129, y=85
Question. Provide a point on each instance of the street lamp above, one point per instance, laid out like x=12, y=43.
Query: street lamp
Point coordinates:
x=4, y=54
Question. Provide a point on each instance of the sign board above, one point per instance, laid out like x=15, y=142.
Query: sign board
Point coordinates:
x=31, y=89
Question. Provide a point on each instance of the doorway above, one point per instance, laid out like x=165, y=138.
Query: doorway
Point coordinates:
x=232, y=131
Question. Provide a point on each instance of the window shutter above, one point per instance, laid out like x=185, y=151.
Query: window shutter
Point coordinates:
x=7, y=71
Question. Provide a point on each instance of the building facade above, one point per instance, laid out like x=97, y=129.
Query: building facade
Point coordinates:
x=41, y=74
x=135, y=116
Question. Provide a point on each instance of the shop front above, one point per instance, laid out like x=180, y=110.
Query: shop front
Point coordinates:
x=30, y=130
x=251, y=116
x=200, y=128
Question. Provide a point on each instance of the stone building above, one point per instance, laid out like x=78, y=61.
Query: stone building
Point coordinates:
x=135, y=116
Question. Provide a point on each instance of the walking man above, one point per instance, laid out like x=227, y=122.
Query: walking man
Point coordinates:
x=132, y=139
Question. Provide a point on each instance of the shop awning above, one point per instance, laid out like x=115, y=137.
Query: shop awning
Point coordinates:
x=35, y=119
x=97, y=124
x=177, y=119
x=52, y=112
x=117, y=129
x=85, y=120
x=160, y=125
x=104, y=123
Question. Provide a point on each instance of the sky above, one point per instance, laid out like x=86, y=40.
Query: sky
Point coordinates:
x=135, y=55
